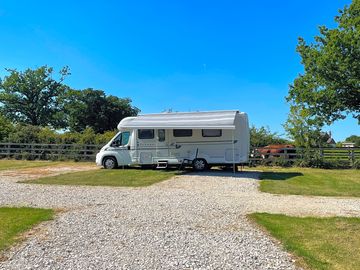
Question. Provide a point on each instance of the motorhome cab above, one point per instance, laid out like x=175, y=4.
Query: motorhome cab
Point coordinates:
x=197, y=139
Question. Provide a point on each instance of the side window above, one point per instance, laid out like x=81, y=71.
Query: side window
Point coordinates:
x=125, y=138
x=161, y=135
x=211, y=132
x=182, y=132
x=146, y=134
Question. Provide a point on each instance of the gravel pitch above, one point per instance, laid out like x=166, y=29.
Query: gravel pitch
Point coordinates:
x=194, y=221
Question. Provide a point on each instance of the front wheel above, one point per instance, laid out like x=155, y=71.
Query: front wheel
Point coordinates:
x=110, y=163
x=199, y=164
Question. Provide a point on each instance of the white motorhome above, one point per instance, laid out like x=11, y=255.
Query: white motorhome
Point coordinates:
x=197, y=139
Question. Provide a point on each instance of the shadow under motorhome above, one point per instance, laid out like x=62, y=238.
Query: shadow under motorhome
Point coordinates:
x=197, y=139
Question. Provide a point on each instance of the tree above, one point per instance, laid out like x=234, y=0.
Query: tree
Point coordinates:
x=329, y=89
x=302, y=128
x=262, y=136
x=92, y=108
x=31, y=97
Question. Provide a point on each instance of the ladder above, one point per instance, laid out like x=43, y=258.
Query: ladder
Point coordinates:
x=162, y=164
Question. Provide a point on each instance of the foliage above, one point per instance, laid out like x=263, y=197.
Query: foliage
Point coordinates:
x=302, y=128
x=329, y=88
x=31, y=97
x=311, y=181
x=15, y=221
x=262, y=136
x=6, y=127
x=124, y=178
x=319, y=243
x=22, y=133
x=92, y=108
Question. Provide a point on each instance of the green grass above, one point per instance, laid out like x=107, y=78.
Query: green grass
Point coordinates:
x=319, y=243
x=6, y=164
x=308, y=181
x=121, y=178
x=15, y=221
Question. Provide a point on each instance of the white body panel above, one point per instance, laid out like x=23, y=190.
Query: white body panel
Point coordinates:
x=231, y=147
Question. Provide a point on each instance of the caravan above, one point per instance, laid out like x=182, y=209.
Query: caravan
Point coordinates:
x=197, y=139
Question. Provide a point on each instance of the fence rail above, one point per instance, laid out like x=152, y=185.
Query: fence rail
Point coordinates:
x=88, y=152
x=49, y=151
x=289, y=154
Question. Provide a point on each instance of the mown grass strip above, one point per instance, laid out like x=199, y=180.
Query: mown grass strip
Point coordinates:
x=309, y=181
x=15, y=221
x=118, y=178
x=319, y=243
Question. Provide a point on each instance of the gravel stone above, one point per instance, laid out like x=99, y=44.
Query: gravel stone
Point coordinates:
x=193, y=221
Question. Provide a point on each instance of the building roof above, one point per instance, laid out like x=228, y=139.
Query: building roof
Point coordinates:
x=182, y=120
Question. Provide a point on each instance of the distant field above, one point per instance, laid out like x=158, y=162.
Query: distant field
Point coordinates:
x=309, y=181
x=319, y=243
x=15, y=221
x=119, y=177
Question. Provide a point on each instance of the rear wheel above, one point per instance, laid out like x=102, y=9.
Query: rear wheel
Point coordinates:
x=110, y=163
x=199, y=164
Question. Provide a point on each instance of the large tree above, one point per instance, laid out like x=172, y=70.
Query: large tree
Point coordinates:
x=31, y=97
x=329, y=88
x=92, y=108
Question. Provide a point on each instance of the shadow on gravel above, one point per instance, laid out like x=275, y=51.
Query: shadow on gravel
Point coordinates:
x=221, y=173
x=279, y=175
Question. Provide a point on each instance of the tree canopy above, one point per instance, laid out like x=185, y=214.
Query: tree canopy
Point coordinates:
x=31, y=96
x=92, y=108
x=329, y=88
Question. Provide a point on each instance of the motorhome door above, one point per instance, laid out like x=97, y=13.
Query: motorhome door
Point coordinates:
x=121, y=146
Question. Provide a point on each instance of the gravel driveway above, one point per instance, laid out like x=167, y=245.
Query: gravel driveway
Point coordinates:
x=195, y=221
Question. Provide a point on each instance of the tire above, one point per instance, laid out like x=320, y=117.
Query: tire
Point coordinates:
x=110, y=163
x=200, y=164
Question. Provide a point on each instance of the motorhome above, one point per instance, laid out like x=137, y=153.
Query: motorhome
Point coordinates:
x=197, y=139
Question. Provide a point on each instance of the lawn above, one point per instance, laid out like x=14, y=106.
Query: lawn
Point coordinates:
x=309, y=181
x=119, y=177
x=6, y=164
x=319, y=243
x=15, y=221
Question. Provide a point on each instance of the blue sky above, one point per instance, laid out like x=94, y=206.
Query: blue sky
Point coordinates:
x=184, y=55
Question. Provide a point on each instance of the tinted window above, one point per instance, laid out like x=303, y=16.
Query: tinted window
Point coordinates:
x=211, y=132
x=161, y=135
x=182, y=132
x=146, y=134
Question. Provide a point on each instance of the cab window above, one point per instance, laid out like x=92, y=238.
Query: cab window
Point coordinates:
x=121, y=139
x=125, y=138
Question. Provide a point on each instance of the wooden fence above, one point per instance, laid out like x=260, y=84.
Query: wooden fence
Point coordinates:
x=49, y=151
x=332, y=153
x=88, y=152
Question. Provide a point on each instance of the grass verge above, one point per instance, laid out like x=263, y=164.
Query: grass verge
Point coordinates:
x=120, y=178
x=6, y=164
x=309, y=181
x=15, y=221
x=319, y=243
